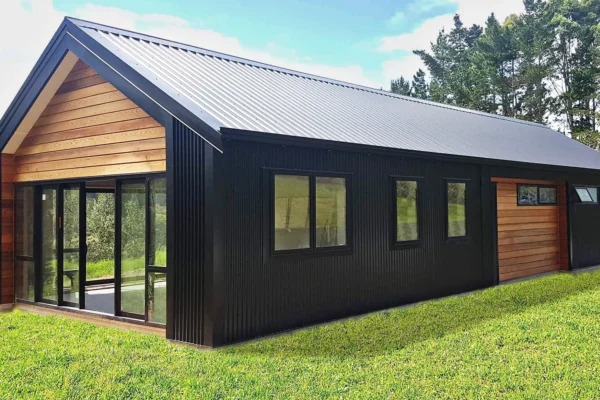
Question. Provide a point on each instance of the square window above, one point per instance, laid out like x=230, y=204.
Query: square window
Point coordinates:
x=547, y=195
x=309, y=212
x=528, y=195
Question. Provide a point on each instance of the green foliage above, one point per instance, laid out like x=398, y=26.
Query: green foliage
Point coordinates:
x=542, y=65
x=532, y=339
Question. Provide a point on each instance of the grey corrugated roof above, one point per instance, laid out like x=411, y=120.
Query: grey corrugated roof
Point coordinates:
x=242, y=94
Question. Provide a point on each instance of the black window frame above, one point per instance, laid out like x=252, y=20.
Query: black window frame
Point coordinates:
x=538, y=203
x=312, y=249
x=394, y=242
x=589, y=203
x=465, y=237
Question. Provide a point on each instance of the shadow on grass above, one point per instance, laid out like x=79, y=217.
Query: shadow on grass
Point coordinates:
x=386, y=331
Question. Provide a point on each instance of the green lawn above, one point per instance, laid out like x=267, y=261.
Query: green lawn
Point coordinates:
x=533, y=339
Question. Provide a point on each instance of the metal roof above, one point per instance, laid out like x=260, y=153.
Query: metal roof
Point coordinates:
x=241, y=94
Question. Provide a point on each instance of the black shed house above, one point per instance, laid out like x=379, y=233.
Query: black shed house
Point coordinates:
x=223, y=199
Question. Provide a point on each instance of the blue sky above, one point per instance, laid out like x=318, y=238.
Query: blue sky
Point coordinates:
x=363, y=42
x=330, y=32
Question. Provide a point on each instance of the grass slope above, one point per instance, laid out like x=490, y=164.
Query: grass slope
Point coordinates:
x=533, y=339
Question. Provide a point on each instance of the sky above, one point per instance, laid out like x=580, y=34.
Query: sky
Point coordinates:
x=358, y=41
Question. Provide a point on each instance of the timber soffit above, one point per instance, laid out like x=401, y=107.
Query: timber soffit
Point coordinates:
x=255, y=97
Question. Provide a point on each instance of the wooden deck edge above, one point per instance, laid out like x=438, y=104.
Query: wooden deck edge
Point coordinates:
x=91, y=318
x=6, y=307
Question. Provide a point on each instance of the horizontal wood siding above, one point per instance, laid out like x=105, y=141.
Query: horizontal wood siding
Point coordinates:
x=7, y=273
x=531, y=239
x=90, y=129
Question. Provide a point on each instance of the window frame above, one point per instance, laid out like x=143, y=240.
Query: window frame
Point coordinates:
x=312, y=249
x=591, y=203
x=395, y=244
x=465, y=237
x=538, y=203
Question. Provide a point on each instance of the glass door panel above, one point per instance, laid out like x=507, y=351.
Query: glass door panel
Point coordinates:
x=100, y=250
x=71, y=249
x=24, y=258
x=49, y=264
x=133, y=248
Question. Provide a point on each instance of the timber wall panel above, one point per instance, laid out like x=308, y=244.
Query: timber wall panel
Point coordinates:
x=531, y=239
x=7, y=273
x=90, y=129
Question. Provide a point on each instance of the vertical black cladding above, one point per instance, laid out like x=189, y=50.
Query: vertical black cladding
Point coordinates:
x=185, y=230
x=266, y=294
x=585, y=235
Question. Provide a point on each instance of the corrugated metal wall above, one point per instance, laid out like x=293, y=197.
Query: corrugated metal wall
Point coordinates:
x=185, y=159
x=266, y=294
x=585, y=240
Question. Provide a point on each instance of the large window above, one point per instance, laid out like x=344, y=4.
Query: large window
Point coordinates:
x=406, y=225
x=310, y=212
x=456, y=198
x=534, y=195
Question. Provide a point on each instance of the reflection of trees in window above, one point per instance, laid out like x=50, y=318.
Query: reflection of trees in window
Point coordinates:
x=331, y=211
x=456, y=196
x=528, y=195
x=292, y=217
x=406, y=211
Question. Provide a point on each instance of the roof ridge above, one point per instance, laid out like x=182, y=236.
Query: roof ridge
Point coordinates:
x=187, y=47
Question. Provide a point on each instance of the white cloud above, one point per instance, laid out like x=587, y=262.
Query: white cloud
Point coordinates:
x=470, y=11
x=26, y=29
x=28, y=26
x=180, y=30
x=405, y=66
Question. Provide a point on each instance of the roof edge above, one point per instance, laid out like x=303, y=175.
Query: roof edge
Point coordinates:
x=166, y=42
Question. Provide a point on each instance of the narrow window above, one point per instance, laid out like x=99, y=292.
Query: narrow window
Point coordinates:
x=587, y=194
x=456, y=211
x=24, y=261
x=292, y=212
x=407, y=226
x=331, y=211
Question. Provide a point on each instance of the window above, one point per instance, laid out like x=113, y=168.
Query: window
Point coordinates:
x=533, y=195
x=24, y=261
x=547, y=195
x=587, y=194
x=331, y=211
x=456, y=222
x=406, y=211
x=309, y=212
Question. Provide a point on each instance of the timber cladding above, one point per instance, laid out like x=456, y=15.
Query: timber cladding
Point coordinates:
x=89, y=129
x=531, y=239
x=7, y=273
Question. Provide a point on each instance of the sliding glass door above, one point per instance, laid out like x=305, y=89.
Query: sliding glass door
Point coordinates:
x=70, y=248
x=95, y=245
x=142, y=240
x=49, y=259
x=133, y=248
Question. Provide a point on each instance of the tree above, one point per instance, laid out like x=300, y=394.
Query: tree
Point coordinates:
x=420, y=88
x=401, y=86
x=542, y=65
